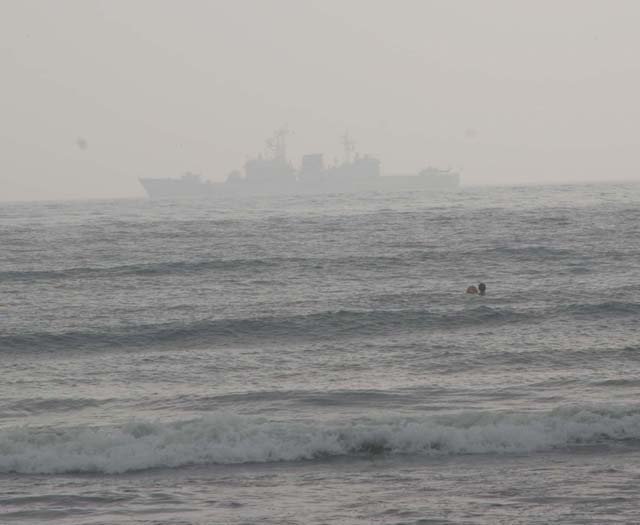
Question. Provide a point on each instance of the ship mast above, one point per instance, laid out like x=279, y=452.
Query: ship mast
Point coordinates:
x=277, y=146
x=349, y=147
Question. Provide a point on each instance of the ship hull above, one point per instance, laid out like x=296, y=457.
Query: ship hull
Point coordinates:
x=170, y=188
x=176, y=188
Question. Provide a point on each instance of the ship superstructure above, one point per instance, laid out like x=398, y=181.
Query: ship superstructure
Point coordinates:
x=353, y=168
x=272, y=172
x=273, y=167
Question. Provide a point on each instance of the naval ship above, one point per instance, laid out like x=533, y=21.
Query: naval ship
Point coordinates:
x=273, y=173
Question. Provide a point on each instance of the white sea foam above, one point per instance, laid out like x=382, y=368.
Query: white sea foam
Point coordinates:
x=228, y=439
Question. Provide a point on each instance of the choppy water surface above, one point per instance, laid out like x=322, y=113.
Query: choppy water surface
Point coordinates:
x=315, y=360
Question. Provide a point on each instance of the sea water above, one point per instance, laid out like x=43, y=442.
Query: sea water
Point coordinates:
x=315, y=360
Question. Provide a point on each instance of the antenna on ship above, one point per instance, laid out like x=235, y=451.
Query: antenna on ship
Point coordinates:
x=349, y=147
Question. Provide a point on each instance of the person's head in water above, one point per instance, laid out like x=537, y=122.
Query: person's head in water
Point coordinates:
x=472, y=289
x=483, y=288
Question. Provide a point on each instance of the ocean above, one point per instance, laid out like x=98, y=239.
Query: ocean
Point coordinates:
x=315, y=359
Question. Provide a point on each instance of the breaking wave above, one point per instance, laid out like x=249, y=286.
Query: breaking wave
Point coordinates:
x=229, y=439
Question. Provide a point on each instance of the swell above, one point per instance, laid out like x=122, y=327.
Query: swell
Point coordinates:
x=225, y=332
x=177, y=268
x=607, y=308
x=231, y=439
x=246, y=265
x=15, y=407
x=311, y=327
x=377, y=262
x=160, y=268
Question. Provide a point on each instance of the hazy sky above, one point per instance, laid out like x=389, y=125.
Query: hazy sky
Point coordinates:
x=95, y=94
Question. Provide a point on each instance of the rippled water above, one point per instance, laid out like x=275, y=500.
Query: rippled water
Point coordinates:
x=315, y=359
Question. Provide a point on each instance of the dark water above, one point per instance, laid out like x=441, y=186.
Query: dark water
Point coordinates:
x=315, y=360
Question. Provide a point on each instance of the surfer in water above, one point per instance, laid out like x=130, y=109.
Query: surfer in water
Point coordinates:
x=480, y=289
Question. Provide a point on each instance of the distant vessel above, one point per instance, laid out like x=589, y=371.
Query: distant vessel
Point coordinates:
x=273, y=173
